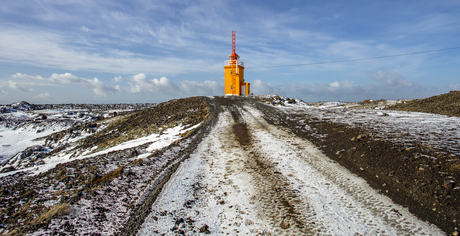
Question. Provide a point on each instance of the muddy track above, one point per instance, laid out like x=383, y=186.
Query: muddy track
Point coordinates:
x=280, y=203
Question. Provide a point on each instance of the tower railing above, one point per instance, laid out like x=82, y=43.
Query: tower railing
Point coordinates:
x=233, y=62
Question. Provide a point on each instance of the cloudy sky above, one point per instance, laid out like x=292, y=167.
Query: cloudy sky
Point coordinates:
x=81, y=51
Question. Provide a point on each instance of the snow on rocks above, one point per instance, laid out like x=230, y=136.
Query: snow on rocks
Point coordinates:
x=155, y=142
x=432, y=130
x=106, y=210
x=23, y=124
x=16, y=134
x=277, y=100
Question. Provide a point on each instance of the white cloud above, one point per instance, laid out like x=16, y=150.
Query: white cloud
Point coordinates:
x=335, y=89
x=42, y=49
x=117, y=79
x=386, y=84
x=14, y=85
x=66, y=78
x=140, y=83
x=135, y=88
x=390, y=78
x=162, y=85
x=205, y=88
x=84, y=29
x=44, y=96
x=98, y=87
x=28, y=77
x=455, y=86
x=261, y=88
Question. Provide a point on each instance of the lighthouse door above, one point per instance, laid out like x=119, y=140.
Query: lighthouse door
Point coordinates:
x=243, y=90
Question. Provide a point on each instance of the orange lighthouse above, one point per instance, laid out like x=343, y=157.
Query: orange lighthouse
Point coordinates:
x=234, y=74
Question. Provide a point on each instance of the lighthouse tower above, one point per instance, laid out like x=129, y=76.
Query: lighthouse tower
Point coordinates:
x=234, y=74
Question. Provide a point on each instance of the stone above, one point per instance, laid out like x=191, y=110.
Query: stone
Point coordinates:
x=284, y=224
x=449, y=184
x=205, y=229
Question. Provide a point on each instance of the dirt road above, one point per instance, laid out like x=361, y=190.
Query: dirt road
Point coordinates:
x=251, y=177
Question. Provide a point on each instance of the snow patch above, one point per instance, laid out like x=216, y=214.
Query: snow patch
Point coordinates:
x=158, y=141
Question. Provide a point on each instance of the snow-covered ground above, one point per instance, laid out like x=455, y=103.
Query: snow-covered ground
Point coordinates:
x=157, y=141
x=25, y=133
x=432, y=130
x=14, y=141
x=277, y=184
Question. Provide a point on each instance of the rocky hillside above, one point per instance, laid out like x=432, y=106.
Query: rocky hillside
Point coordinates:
x=29, y=202
x=444, y=104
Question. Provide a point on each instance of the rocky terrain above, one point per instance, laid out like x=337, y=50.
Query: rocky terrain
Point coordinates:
x=25, y=106
x=265, y=165
x=29, y=202
x=444, y=104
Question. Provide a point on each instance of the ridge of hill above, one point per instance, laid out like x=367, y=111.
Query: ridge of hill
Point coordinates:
x=444, y=104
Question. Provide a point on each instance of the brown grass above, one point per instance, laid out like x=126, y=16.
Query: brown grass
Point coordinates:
x=136, y=162
x=109, y=176
x=56, y=210
x=154, y=153
x=455, y=167
x=22, y=210
x=186, y=134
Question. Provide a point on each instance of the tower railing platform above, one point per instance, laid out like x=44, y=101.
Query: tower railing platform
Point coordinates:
x=233, y=62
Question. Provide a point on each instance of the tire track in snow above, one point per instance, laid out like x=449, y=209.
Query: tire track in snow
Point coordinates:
x=343, y=203
x=287, y=213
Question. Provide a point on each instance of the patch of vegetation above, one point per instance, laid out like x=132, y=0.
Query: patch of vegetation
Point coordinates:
x=109, y=176
x=58, y=209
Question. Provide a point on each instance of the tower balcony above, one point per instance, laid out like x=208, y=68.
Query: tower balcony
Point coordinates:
x=233, y=62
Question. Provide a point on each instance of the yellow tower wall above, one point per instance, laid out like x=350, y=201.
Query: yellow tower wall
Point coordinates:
x=230, y=71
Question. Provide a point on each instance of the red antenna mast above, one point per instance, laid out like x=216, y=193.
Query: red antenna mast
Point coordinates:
x=233, y=42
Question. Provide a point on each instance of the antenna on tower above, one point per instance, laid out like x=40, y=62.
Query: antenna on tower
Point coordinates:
x=233, y=41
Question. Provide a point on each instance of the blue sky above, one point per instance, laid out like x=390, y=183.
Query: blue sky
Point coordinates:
x=79, y=51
